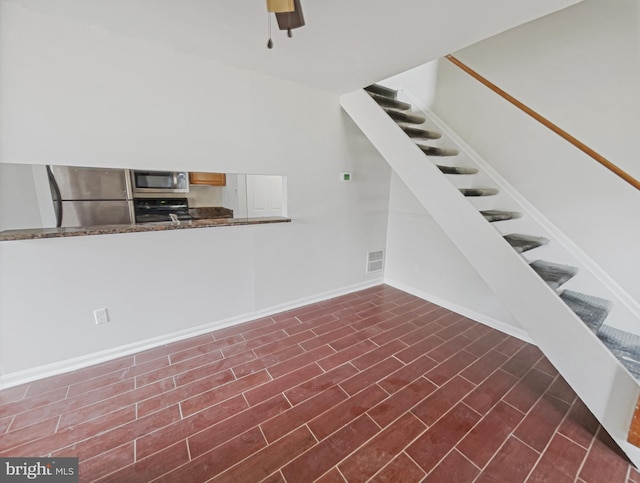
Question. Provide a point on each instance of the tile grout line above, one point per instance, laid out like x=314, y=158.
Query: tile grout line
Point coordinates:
x=539, y=453
x=214, y=449
x=465, y=456
x=628, y=476
x=216, y=387
x=363, y=414
x=8, y=428
x=568, y=437
x=306, y=425
x=57, y=424
x=524, y=415
x=180, y=411
x=511, y=434
x=459, y=374
x=477, y=412
x=344, y=478
x=586, y=456
x=137, y=401
x=504, y=442
x=364, y=443
x=426, y=473
x=291, y=405
x=443, y=414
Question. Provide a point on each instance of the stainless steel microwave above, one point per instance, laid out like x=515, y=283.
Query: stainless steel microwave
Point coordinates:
x=160, y=181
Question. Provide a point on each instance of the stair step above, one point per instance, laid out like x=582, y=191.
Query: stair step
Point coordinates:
x=497, y=215
x=522, y=243
x=554, y=274
x=388, y=102
x=404, y=117
x=478, y=191
x=592, y=310
x=457, y=170
x=382, y=91
x=417, y=133
x=434, y=151
x=624, y=345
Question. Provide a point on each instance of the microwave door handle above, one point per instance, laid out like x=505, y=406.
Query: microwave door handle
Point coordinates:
x=175, y=180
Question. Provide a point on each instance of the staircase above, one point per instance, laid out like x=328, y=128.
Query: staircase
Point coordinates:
x=601, y=362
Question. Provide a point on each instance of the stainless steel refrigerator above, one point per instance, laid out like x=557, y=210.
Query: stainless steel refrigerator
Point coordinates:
x=91, y=196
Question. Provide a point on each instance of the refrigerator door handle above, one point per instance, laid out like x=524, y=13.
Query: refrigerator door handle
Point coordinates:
x=57, y=197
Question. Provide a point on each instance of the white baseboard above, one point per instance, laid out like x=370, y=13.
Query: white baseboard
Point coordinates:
x=469, y=313
x=68, y=365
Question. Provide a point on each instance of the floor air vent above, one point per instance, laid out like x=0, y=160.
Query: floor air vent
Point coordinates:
x=375, y=261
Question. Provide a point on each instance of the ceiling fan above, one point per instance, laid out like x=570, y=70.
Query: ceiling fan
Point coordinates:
x=288, y=14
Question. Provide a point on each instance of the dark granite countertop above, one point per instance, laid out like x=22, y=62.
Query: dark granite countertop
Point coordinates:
x=209, y=212
x=37, y=233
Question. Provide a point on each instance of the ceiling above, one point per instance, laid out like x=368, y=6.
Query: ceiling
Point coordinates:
x=345, y=45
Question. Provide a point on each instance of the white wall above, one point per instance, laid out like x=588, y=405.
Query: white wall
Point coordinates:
x=580, y=68
x=420, y=82
x=71, y=94
x=554, y=66
x=422, y=260
x=18, y=200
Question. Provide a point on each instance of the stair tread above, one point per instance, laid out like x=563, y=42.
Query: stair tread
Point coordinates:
x=404, y=117
x=554, y=274
x=414, y=132
x=592, y=310
x=435, y=151
x=499, y=215
x=624, y=345
x=382, y=91
x=522, y=243
x=479, y=191
x=389, y=102
x=457, y=170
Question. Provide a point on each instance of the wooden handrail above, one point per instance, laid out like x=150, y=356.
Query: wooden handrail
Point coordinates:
x=544, y=121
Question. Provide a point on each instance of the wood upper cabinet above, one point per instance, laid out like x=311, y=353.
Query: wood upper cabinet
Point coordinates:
x=211, y=179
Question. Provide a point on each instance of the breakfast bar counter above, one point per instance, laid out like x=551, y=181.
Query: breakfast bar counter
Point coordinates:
x=38, y=233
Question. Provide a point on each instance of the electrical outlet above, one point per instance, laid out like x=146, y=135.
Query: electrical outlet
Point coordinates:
x=101, y=316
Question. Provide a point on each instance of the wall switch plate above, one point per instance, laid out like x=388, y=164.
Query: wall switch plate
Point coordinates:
x=346, y=176
x=101, y=316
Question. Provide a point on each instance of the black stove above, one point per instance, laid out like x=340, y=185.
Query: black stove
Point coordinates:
x=148, y=210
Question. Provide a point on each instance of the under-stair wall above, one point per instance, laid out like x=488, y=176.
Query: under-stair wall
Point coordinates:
x=602, y=382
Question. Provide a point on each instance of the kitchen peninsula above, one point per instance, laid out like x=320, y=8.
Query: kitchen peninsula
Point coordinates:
x=69, y=201
x=38, y=233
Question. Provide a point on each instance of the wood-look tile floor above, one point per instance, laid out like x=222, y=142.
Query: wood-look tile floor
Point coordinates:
x=376, y=385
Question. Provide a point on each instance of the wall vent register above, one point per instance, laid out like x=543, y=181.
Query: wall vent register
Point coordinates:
x=375, y=261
